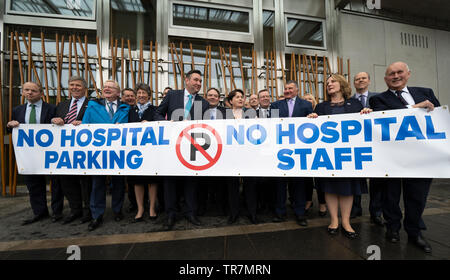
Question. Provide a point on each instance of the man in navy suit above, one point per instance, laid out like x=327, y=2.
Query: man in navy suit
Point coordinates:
x=34, y=111
x=181, y=105
x=415, y=190
x=77, y=189
x=291, y=107
x=361, y=82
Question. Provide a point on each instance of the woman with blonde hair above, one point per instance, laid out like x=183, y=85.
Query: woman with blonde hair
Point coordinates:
x=339, y=191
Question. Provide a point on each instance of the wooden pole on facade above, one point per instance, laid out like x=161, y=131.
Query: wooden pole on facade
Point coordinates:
x=174, y=69
x=70, y=58
x=325, y=71
x=44, y=62
x=223, y=72
x=99, y=58
x=192, y=56
x=28, y=46
x=150, y=73
x=131, y=64
x=76, y=54
x=307, y=73
x=271, y=75
x=88, y=69
x=58, y=72
x=11, y=161
x=317, y=78
x=156, y=72
x=205, y=72
x=231, y=67
x=253, y=73
x=209, y=66
x=313, y=72
x=181, y=64
x=242, y=69
x=283, y=74
x=295, y=69
x=141, y=54
x=19, y=56
x=276, y=73
x=123, y=71
x=2, y=142
x=30, y=59
x=267, y=72
x=301, y=70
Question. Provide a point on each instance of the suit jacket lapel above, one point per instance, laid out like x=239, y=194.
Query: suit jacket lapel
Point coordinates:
x=414, y=95
x=83, y=109
x=284, y=108
x=44, y=111
x=393, y=100
x=22, y=112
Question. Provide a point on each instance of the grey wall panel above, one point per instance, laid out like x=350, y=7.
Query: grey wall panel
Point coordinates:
x=237, y=3
x=372, y=44
x=313, y=8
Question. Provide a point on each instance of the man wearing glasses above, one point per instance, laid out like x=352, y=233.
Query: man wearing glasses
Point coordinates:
x=108, y=109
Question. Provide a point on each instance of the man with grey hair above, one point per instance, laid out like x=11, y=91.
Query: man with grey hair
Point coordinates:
x=77, y=189
x=415, y=190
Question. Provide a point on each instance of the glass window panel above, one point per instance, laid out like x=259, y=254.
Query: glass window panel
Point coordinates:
x=217, y=76
x=50, y=53
x=305, y=32
x=72, y=8
x=268, y=30
x=134, y=20
x=210, y=18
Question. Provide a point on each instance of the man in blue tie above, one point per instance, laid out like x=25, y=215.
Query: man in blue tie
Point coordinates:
x=180, y=105
x=292, y=106
x=108, y=109
x=361, y=81
x=34, y=111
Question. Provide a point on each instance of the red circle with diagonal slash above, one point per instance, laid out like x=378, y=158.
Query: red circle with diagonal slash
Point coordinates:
x=211, y=160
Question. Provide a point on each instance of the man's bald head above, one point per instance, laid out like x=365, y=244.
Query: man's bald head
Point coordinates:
x=397, y=75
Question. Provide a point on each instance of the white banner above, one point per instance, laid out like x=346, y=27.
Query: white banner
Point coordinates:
x=397, y=143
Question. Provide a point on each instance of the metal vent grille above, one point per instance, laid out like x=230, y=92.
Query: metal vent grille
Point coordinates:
x=414, y=40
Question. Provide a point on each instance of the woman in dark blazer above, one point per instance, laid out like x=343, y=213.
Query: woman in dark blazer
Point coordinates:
x=237, y=111
x=143, y=111
x=339, y=191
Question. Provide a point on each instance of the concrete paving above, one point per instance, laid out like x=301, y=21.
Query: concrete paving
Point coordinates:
x=215, y=240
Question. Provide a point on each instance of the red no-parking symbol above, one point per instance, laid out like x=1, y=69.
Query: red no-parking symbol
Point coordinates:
x=191, y=134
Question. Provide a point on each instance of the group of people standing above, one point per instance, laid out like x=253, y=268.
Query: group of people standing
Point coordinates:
x=87, y=194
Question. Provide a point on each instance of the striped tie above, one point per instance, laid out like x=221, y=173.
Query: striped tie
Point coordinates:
x=72, y=115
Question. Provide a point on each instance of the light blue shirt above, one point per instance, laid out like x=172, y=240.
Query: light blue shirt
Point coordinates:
x=38, y=109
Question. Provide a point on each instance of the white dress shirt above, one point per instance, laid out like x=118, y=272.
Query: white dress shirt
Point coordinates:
x=38, y=110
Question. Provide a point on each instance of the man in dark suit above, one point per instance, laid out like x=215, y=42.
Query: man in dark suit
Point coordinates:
x=77, y=189
x=415, y=190
x=212, y=189
x=265, y=185
x=361, y=81
x=34, y=111
x=291, y=107
x=181, y=105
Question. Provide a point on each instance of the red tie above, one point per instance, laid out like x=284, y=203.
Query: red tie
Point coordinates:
x=72, y=115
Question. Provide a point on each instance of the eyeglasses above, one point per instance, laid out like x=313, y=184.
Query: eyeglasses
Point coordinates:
x=110, y=87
